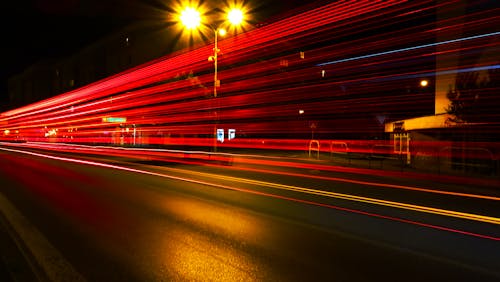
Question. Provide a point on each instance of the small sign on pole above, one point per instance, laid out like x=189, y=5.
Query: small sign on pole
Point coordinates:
x=231, y=134
x=114, y=119
x=220, y=135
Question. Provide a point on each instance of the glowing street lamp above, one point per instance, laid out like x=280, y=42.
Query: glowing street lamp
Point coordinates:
x=424, y=83
x=235, y=16
x=191, y=19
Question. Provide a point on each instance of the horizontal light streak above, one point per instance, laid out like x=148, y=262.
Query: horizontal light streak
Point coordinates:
x=153, y=153
x=411, y=48
x=146, y=74
x=438, y=73
x=237, y=158
x=353, y=197
x=183, y=112
x=275, y=85
x=468, y=216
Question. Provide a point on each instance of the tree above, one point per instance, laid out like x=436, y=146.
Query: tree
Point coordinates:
x=475, y=98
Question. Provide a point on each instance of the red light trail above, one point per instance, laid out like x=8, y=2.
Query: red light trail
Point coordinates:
x=442, y=212
x=335, y=75
x=385, y=112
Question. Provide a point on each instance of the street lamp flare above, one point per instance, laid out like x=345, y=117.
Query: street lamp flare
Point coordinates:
x=190, y=18
x=235, y=16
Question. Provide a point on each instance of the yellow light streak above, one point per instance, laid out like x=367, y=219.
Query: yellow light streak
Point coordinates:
x=419, y=208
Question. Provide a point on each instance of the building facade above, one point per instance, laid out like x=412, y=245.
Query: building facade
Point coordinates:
x=131, y=46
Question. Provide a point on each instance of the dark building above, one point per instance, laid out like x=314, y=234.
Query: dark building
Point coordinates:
x=133, y=45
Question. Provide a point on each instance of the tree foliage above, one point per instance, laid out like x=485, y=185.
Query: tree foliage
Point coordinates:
x=475, y=97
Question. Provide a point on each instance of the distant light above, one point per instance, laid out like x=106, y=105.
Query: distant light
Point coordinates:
x=52, y=132
x=190, y=18
x=6, y=132
x=235, y=16
x=323, y=72
x=222, y=31
x=424, y=83
x=301, y=112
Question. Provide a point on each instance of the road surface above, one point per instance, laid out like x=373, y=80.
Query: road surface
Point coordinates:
x=115, y=221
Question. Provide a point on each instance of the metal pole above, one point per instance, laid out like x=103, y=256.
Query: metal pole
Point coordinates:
x=216, y=50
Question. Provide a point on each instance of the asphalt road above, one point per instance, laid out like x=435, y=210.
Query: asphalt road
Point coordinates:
x=137, y=222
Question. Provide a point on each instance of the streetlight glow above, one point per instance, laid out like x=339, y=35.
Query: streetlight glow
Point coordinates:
x=424, y=83
x=235, y=16
x=190, y=18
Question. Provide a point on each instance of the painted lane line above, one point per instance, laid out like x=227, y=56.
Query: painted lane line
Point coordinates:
x=304, y=190
x=419, y=208
x=328, y=178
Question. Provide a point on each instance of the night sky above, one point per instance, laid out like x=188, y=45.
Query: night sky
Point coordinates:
x=38, y=29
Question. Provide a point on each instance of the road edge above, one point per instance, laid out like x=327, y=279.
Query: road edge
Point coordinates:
x=47, y=263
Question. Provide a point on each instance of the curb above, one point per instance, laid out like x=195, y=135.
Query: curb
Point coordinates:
x=46, y=262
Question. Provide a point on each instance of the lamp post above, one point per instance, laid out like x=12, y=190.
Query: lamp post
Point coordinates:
x=213, y=58
x=191, y=19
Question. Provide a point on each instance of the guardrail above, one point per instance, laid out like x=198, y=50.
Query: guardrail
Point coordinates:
x=438, y=159
x=339, y=148
x=314, y=143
